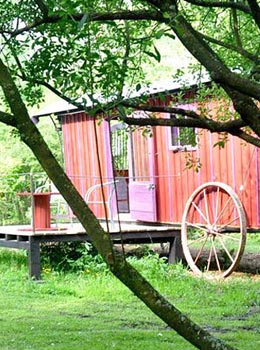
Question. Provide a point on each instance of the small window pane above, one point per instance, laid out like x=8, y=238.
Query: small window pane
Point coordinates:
x=182, y=138
x=187, y=137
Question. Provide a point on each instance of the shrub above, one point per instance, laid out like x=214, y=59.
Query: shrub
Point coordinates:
x=71, y=257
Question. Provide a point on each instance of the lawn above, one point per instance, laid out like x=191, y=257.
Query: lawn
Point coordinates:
x=253, y=243
x=92, y=310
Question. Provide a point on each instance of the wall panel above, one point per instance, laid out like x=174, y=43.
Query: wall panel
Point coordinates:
x=87, y=155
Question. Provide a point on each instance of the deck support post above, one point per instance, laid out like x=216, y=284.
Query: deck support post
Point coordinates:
x=34, y=258
x=175, y=251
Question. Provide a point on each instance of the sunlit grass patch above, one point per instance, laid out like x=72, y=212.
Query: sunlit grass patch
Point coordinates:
x=93, y=310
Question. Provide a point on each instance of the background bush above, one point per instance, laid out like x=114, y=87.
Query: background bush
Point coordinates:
x=71, y=257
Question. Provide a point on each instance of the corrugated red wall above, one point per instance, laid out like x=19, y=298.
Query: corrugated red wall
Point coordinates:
x=237, y=164
x=87, y=157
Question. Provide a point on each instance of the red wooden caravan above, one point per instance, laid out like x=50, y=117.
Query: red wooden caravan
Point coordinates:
x=156, y=170
x=161, y=171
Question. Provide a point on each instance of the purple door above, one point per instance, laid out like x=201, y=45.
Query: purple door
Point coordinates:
x=142, y=185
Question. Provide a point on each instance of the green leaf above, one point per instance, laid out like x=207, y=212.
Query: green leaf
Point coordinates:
x=172, y=36
x=138, y=87
x=159, y=34
x=156, y=55
x=83, y=21
x=166, y=15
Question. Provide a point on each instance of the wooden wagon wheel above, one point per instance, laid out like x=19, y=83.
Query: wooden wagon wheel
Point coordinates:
x=213, y=231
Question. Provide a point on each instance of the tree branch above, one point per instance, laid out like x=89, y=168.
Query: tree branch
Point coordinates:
x=111, y=16
x=193, y=41
x=7, y=119
x=163, y=109
x=246, y=108
x=207, y=124
x=192, y=119
x=255, y=11
x=238, y=49
x=55, y=91
x=43, y=7
x=166, y=109
x=235, y=25
x=228, y=5
x=232, y=127
x=247, y=137
x=125, y=59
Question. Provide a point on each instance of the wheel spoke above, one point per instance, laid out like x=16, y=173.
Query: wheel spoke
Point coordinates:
x=206, y=205
x=200, y=212
x=231, y=221
x=225, y=248
x=200, y=251
x=209, y=258
x=216, y=208
x=216, y=255
x=222, y=211
x=196, y=226
x=229, y=236
x=191, y=242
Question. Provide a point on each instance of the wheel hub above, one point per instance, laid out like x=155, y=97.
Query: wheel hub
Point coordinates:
x=212, y=231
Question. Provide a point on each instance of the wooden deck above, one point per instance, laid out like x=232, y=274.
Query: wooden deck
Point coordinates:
x=23, y=237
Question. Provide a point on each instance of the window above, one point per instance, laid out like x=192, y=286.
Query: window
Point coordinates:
x=119, y=137
x=182, y=138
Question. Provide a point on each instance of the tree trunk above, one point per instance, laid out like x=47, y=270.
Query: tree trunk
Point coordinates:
x=250, y=263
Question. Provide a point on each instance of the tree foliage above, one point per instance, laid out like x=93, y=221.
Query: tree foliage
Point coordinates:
x=17, y=163
x=92, y=54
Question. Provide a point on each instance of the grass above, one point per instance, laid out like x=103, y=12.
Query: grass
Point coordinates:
x=253, y=243
x=93, y=310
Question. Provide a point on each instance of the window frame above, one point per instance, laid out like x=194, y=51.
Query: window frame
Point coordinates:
x=179, y=147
